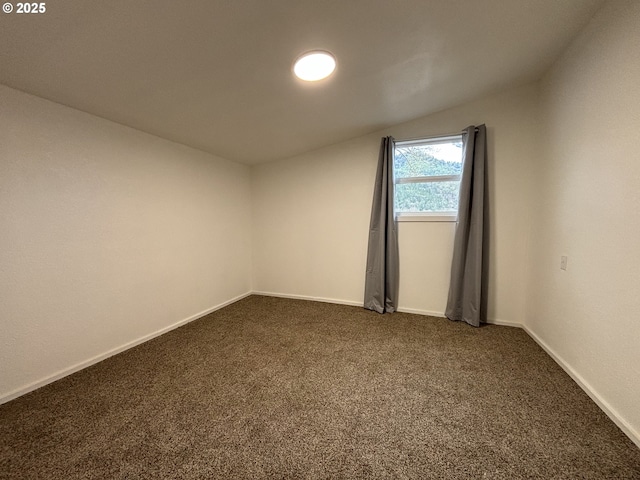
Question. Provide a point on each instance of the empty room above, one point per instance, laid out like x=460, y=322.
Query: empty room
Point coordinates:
x=320, y=239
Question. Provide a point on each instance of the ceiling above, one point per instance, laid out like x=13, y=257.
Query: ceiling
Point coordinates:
x=216, y=74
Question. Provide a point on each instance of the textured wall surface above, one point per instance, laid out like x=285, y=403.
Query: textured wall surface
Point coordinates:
x=108, y=235
x=311, y=214
x=587, y=197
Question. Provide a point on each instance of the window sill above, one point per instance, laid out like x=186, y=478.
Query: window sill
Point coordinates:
x=426, y=217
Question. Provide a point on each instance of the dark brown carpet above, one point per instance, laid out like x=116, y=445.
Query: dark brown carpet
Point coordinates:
x=275, y=388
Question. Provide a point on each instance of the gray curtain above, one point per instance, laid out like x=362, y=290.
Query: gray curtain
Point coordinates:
x=469, y=268
x=382, y=277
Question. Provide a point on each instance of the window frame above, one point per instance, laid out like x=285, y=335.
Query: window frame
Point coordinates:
x=441, y=216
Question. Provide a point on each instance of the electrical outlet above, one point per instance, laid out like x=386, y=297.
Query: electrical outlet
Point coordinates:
x=563, y=262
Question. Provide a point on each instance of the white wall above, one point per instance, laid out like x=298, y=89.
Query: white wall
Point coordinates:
x=107, y=235
x=310, y=217
x=311, y=214
x=587, y=207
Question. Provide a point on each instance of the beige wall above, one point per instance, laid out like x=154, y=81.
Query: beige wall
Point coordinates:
x=310, y=219
x=587, y=207
x=311, y=214
x=107, y=236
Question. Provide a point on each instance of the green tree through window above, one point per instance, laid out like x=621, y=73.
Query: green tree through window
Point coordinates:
x=427, y=175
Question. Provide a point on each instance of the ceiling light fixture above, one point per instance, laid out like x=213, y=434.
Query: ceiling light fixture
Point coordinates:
x=314, y=66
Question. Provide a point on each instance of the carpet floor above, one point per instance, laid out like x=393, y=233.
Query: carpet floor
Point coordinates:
x=277, y=388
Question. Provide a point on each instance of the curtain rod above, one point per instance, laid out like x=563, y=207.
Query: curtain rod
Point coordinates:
x=416, y=139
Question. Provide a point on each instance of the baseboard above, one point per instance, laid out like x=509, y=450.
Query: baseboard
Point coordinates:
x=98, y=358
x=307, y=297
x=418, y=311
x=429, y=313
x=628, y=430
x=354, y=303
x=504, y=323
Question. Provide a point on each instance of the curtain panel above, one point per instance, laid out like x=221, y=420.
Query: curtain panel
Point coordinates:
x=467, y=299
x=382, y=274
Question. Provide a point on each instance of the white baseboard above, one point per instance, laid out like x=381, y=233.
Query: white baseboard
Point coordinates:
x=418, y=311
x=354, y=303
x=589, y=390
x=429, y=313
x=98, y=358
x=504, y=323
x=307, y=297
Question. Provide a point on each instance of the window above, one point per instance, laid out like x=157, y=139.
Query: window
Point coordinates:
x=427, y=178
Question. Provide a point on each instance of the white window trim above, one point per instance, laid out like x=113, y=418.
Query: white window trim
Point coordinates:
x=427, y=217
x=432, y=140
x=432, y=178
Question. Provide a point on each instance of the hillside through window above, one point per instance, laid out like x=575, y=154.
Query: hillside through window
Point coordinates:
x=427, y=178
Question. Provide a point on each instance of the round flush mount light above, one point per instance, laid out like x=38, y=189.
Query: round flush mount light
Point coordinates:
x=314, y=66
